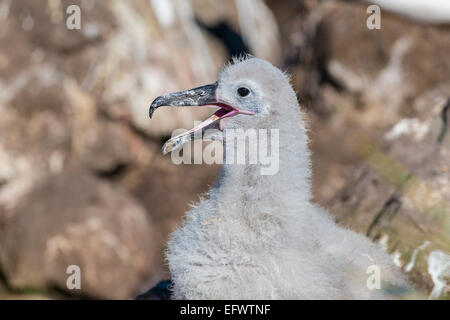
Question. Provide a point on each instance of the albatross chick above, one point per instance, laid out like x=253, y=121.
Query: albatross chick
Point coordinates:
x=259, y=236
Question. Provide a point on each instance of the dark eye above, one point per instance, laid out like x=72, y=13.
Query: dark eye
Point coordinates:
x=243, y=92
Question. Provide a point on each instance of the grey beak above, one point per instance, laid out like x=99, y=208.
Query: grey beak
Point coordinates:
x=193, y=97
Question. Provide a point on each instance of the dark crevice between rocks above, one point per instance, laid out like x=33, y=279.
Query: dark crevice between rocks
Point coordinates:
x=384, y=216
x=445, y=114
x=327, y=78
x=113, y=173
x=314, y=56
x=322, y=52
x=231, y=39
x=4, y=280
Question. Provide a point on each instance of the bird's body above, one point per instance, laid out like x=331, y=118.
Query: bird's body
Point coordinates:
x=259, y=236
x=233, y=263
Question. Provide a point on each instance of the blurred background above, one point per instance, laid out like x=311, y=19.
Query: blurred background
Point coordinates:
x=82, y=178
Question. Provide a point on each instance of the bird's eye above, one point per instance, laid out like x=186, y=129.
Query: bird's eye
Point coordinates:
x=243, y=92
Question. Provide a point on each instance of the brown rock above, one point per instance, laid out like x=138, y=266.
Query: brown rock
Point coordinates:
x=400, y=196
x=387, y=66
x=74, y=219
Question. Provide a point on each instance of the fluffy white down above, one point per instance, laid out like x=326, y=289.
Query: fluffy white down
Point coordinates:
x=260, y=237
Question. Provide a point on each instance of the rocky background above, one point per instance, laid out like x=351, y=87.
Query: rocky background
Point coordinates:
x=82, y=178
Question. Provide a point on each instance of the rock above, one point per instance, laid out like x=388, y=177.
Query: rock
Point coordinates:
x=104, y=157
x=168, y=190
x=45, y=25
x=401, y=195
x=389, y=66
x=353, y=89
x=127, y=53
x=75, y=219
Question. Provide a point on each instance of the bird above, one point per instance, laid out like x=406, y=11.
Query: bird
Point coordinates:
x=255, y=236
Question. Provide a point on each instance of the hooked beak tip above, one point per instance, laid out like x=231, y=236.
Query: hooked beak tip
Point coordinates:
x=155, y=105
x=150, y=112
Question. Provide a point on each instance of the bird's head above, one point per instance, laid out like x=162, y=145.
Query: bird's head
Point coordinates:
x=250, y=93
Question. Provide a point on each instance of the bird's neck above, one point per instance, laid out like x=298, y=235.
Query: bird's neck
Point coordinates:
x=279, y=180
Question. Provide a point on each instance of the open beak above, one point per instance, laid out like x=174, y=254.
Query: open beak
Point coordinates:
x=201, y=96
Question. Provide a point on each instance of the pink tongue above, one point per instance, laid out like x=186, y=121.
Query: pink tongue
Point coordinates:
x=221, y=112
